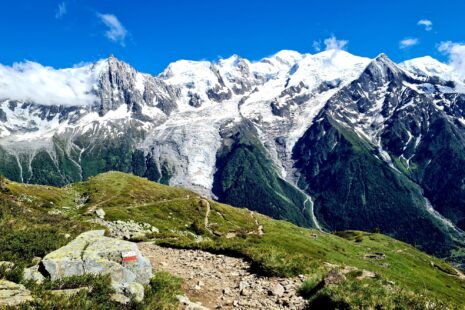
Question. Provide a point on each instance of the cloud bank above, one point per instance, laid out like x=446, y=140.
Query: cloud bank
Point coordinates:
x=32, y=82
x=408, y=42
x=456, y=54
x=116, y=31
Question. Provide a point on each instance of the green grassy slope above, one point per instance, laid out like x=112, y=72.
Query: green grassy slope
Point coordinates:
x=284, y=249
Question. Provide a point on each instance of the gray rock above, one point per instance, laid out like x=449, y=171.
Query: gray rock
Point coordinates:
x=246, y=292
x=7, y=266
x=70, y=292
x=128, y=230
x=36, y=260
x=120, y=298
x=136, y=291
x=277, y=290
x=243, y=285
x=333, y=277
x=92, y=252
x=189, y=305
x=12, y=294
x=33, y=274
x=100, y=213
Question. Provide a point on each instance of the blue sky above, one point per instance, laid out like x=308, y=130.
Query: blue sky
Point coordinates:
x=151, y=34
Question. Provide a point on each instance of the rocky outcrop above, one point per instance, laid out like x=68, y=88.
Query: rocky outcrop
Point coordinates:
x=12, y=294
x=93, y=253
x=127, y=230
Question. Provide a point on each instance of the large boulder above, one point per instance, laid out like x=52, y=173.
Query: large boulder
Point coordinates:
x=93, y=253
x=12, y=294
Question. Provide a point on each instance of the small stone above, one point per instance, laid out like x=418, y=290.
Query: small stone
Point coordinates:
x=226, y=291
x=366, y=274
x=189, y=305
x=243, y=285
x=36, y=260
x=246, y=292
x=100, y=213
x=277, y=290
x=120, y=298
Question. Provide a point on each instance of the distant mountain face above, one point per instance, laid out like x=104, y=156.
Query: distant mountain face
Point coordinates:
x=329, y=140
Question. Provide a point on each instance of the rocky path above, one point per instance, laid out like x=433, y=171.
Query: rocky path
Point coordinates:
x=223, y=282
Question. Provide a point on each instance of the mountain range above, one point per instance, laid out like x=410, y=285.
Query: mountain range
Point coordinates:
x=330, y=141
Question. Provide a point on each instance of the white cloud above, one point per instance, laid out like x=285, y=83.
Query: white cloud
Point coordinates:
x=456, y=53
x=61, y=10
x=317, y=46
x=116, y=31
x=332, y=43
x=408, y=42
x=30, y=81
x=426, y=23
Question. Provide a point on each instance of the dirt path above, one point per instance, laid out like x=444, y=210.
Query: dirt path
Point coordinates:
x=259, y=226
x=94, y=207
x=222, y=282
x=206, y=204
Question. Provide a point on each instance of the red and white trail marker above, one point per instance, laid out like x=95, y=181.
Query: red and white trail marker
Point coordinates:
x=129, y=256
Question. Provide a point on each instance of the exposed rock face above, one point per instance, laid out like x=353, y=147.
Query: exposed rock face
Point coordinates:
x=12, y=294
x=120, y=84
x=92, y=252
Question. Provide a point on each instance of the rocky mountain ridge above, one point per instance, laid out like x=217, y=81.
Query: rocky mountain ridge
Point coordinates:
x=329, y=140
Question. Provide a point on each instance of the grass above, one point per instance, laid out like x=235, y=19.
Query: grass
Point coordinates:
x=283, y=250
x=159, y=295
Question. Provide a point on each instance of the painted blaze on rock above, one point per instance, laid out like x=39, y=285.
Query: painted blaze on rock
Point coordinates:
x=92, y=252
x=130, y=256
